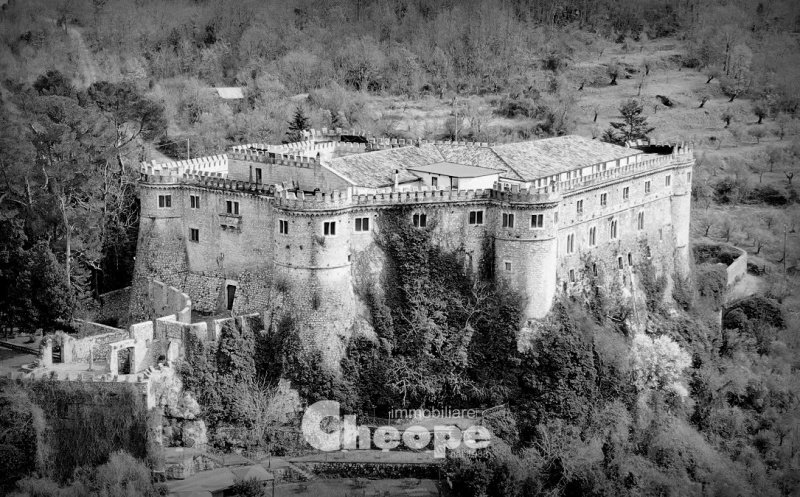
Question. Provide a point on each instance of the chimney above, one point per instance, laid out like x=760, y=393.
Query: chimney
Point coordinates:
x=396, y=179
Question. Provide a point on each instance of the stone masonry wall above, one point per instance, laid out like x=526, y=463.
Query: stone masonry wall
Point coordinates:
x=248, y=250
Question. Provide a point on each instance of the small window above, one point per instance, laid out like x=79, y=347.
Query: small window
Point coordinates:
x=667, y=180
x=194, y=234
x=329, y=228
x=283, y=227
x=603, y=199
x=194, y=201
x=630, y=259
x=640, y=221
x=613, y=230
x=362, y=224
x=594, y=269
x=476, y=217
x=164, y=201
x=508, y=220
x=572, y=275
x=619, y=262
x=570, y=243
x=537, y=221
x=507, y=265
x=232, y=207
x=258, y=175
x=660, y=233
x=420, y=220
x=434, y=181
x=579, y=205
x=625, y=193
x=555, y=217
x=647, y=187
x=592, y=236
x=688, y=177
x=454, y=184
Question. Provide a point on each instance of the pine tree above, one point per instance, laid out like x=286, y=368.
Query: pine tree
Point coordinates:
x=634, y=125
x=297, y=125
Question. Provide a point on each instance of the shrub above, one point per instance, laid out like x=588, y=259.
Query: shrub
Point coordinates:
x=711, y=281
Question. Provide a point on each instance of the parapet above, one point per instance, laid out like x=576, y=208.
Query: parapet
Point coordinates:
x=212, y=163
x=340, y=199
x=680, y=154
x=281, y=159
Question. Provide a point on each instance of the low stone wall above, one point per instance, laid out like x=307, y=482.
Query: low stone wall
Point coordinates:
x=114, y=305
x=95, y=346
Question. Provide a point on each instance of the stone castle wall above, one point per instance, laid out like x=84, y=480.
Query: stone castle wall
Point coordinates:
x=316, y=273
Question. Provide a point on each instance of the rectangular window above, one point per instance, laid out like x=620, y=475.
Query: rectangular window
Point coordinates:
x=508, y=220
x=647, y=187
x=619, y=262
x=594, y=269
x=476, y=217
x=660, y=233
x=688, y=177
x=194, y=234
x=420, y=220
x=640, y=221
x=454, y=183
x=555, y=217
x=232, y=207
x=537, y=221
x=283, y=227
x=630, y=259
x=592, y=236
x=579, y=205
x=164, y=201
x=194, y=201
x=613, y=230
x=434, y=181
x=570, y=243
x=603, y=199
x=258, y=175
x=507, y=265
x=362, y=224
x=667, y=180
x=329, y=228
x=572, y=275
x=625, y=193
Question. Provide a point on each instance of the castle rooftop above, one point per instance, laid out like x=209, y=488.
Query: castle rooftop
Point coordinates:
x=549, y=156
x=455, y=170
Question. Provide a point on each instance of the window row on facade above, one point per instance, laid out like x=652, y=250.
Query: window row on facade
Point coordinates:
x=613, y=233
x=626, y=191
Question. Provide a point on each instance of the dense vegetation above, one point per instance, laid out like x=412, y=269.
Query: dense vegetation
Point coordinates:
x=44, y=422
x=692, y=407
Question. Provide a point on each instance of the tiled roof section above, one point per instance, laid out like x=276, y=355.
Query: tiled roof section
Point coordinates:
x=456, y=170
x=476, y=156
x=376, y=169
x=535, y=159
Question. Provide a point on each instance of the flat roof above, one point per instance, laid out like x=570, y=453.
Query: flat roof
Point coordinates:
x=230, y=92
x=455, y=170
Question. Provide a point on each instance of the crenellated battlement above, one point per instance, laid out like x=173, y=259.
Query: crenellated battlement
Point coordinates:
x=281, y=159
x=681, y=155
x=212, y=163
x=341, y=199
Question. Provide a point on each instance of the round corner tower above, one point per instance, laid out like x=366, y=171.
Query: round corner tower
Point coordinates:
x=526, y=249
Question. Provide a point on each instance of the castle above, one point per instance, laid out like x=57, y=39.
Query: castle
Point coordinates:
x=295, y=224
